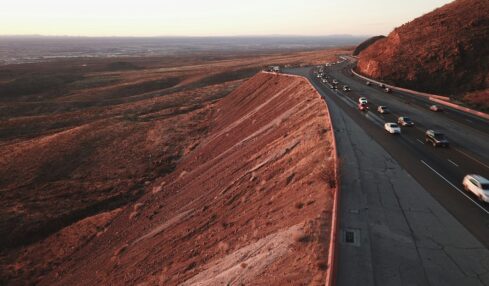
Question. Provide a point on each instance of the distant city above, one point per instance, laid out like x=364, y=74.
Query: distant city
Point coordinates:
x=29, y=49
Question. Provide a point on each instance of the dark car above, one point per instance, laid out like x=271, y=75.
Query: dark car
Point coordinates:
x=436, y=138
x=405, y=121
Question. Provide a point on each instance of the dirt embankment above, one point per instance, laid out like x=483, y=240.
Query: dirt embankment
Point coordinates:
x=443, y=52
x=250, y=204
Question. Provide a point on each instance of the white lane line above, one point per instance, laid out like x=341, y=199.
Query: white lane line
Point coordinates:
x=374, y=119
x=455, y=187
x=420, y=141
x=468, y=120
x=453, y=162
x=462, y=152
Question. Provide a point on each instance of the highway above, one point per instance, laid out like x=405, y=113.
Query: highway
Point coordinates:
x=439, y=170
x=434, y=175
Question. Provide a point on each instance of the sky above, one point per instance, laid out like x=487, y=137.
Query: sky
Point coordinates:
x=208, y=17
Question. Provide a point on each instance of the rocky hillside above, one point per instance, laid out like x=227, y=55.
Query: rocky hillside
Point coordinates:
x=444, y=51
x=365, y=44
x=248, y=204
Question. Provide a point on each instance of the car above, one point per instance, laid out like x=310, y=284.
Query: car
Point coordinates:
x=478, y=185
x=405, y=121
x=436, y=138
x=362, y=100
x=346, y=88
x=324, y=80
x=392, y=128
x=436, y=108
x=335, y=81
x=388, y=90
x=363, y=107
x=383, y=109
x=381, y=85
x=330, y=86
x=368, y=83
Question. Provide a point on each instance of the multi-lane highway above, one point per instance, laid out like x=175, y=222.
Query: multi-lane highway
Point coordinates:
x=434, y=175
x=439, y=170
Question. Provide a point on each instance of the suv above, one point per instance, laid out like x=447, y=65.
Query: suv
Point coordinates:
x=405, y=121
x=436, y=138
x=477, y=185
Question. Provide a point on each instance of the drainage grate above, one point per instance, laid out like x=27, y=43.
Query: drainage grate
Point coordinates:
x=349, y=237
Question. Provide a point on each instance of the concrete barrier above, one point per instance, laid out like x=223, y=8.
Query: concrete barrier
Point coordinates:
x=332, y=249
x=444, y=100
x=427, y=95
x=461, y=108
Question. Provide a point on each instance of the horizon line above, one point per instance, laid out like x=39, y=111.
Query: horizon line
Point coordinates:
x=185, y=36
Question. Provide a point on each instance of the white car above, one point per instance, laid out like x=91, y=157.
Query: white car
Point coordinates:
x=392, y=128
x=477, y=185
x=362, y=100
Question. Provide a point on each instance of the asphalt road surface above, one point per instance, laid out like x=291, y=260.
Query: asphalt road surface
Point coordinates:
x=402, y=205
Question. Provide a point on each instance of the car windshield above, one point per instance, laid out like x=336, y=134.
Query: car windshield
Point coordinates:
x=407, y=119
x=439, y=136
x=393, y=125
x=485, y=186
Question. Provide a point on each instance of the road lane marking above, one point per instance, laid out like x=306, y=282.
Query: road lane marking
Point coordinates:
x=452, y=162
x=420, y=141
x=462, y=152
x=374, y=119
x=456, y=188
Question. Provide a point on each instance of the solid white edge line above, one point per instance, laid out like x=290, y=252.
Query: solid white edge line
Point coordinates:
x=420, y=141
x=456, y=188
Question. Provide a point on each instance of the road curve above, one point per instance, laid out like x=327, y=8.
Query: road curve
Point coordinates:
x=420, y=200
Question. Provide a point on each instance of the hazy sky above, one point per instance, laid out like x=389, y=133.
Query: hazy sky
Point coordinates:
x=208, y=17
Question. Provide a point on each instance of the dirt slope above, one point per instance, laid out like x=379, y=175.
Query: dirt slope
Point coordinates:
x=444, y=52
x=75, y=152
x=250, y=204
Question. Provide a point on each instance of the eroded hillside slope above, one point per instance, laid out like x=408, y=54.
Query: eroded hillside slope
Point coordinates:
x=444, y=52
x=250, y=204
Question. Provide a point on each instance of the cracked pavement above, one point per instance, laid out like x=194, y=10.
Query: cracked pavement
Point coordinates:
x=403, y=235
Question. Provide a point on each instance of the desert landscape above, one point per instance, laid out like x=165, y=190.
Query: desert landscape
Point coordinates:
x=234, y=143
x=89, y=143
